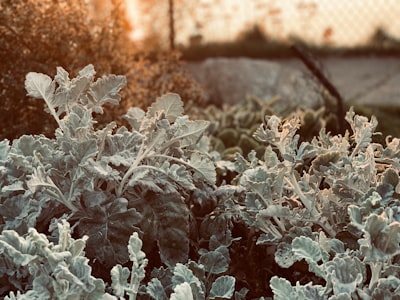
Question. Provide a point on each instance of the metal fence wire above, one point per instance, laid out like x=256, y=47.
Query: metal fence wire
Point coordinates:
x=337, y=23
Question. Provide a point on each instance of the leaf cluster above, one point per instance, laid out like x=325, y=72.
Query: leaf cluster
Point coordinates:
x=145, y=211
x=107, y=182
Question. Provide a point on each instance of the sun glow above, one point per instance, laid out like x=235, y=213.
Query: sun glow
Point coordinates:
x=334, y=22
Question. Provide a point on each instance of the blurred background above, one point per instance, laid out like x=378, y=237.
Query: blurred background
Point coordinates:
x=220, y=27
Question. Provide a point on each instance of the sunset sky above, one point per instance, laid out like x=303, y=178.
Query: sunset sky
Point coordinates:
x=337, y=22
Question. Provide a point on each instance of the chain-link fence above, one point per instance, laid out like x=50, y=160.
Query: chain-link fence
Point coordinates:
x=332, y=23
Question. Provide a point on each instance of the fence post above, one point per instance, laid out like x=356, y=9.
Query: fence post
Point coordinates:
x=171, y=25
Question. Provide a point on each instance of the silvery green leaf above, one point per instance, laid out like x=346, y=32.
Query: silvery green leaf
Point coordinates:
x=309, y=250
x=109, y=226
x=119, y=277
x=355, y=216
x=139, y=262
x=183, y=274
x=182, y=291
x=171, y=224
x=203, y=167
x=69, y=92
x=188, y=132
x=284, y=256
x=170, y=104
x=282, y=289
x=121, y=148
x=105, y=90
x=20, y=250
x=4, y=149
x=363, y=129
x=387, y=288
x=155, y=289
x=345, y=274
x=40, y=86
x=381, y=239
x=223, y=287
x=241, y=295
x=135, y=116
x=215, y=262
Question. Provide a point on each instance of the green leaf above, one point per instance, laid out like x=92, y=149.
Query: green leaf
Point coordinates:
x=222, y=287
x=170, y=104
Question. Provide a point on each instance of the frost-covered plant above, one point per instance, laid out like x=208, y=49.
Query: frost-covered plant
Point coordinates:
x=106, y=182
x=301, y=197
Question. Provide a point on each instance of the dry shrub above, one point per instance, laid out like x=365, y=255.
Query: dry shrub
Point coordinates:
x=41, y=35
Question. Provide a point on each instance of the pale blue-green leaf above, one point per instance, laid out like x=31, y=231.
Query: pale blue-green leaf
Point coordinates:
x=135, y=249
x=188, y=133
x=214, y=262
x=241, y=295
x=305, y=248
x=155, y=290
x=355, y=216
x=182, y=291
x=62, y=77
x=170, y=104
x=119, y=278
x=87, y=71
x=282, y=289
x=284, y=256
x=183, y=274
x=4, y=149
x=135, y=116
x=172, y=225
x=40, y=86
x=223, y=287
x=203, y=167
x=106, y=90
x=345, y=274
x=20, y=250
x=381, y=239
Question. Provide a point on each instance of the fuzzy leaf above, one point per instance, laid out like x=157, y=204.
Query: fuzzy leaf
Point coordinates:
x=172, y=227
x=182, y=291
x=282, y=289
x=215, y=262
x=106, y=90
x=109, y=227
x=155, y=289
x=40, y=86
x=170, y=104
x=223, y=287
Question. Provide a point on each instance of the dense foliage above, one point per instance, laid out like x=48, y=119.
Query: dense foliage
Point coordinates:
x=100, y=212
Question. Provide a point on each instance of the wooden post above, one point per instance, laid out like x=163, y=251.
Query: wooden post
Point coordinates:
x=171, y=25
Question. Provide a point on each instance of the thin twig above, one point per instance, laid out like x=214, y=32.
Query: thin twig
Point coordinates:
x=310, y=63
